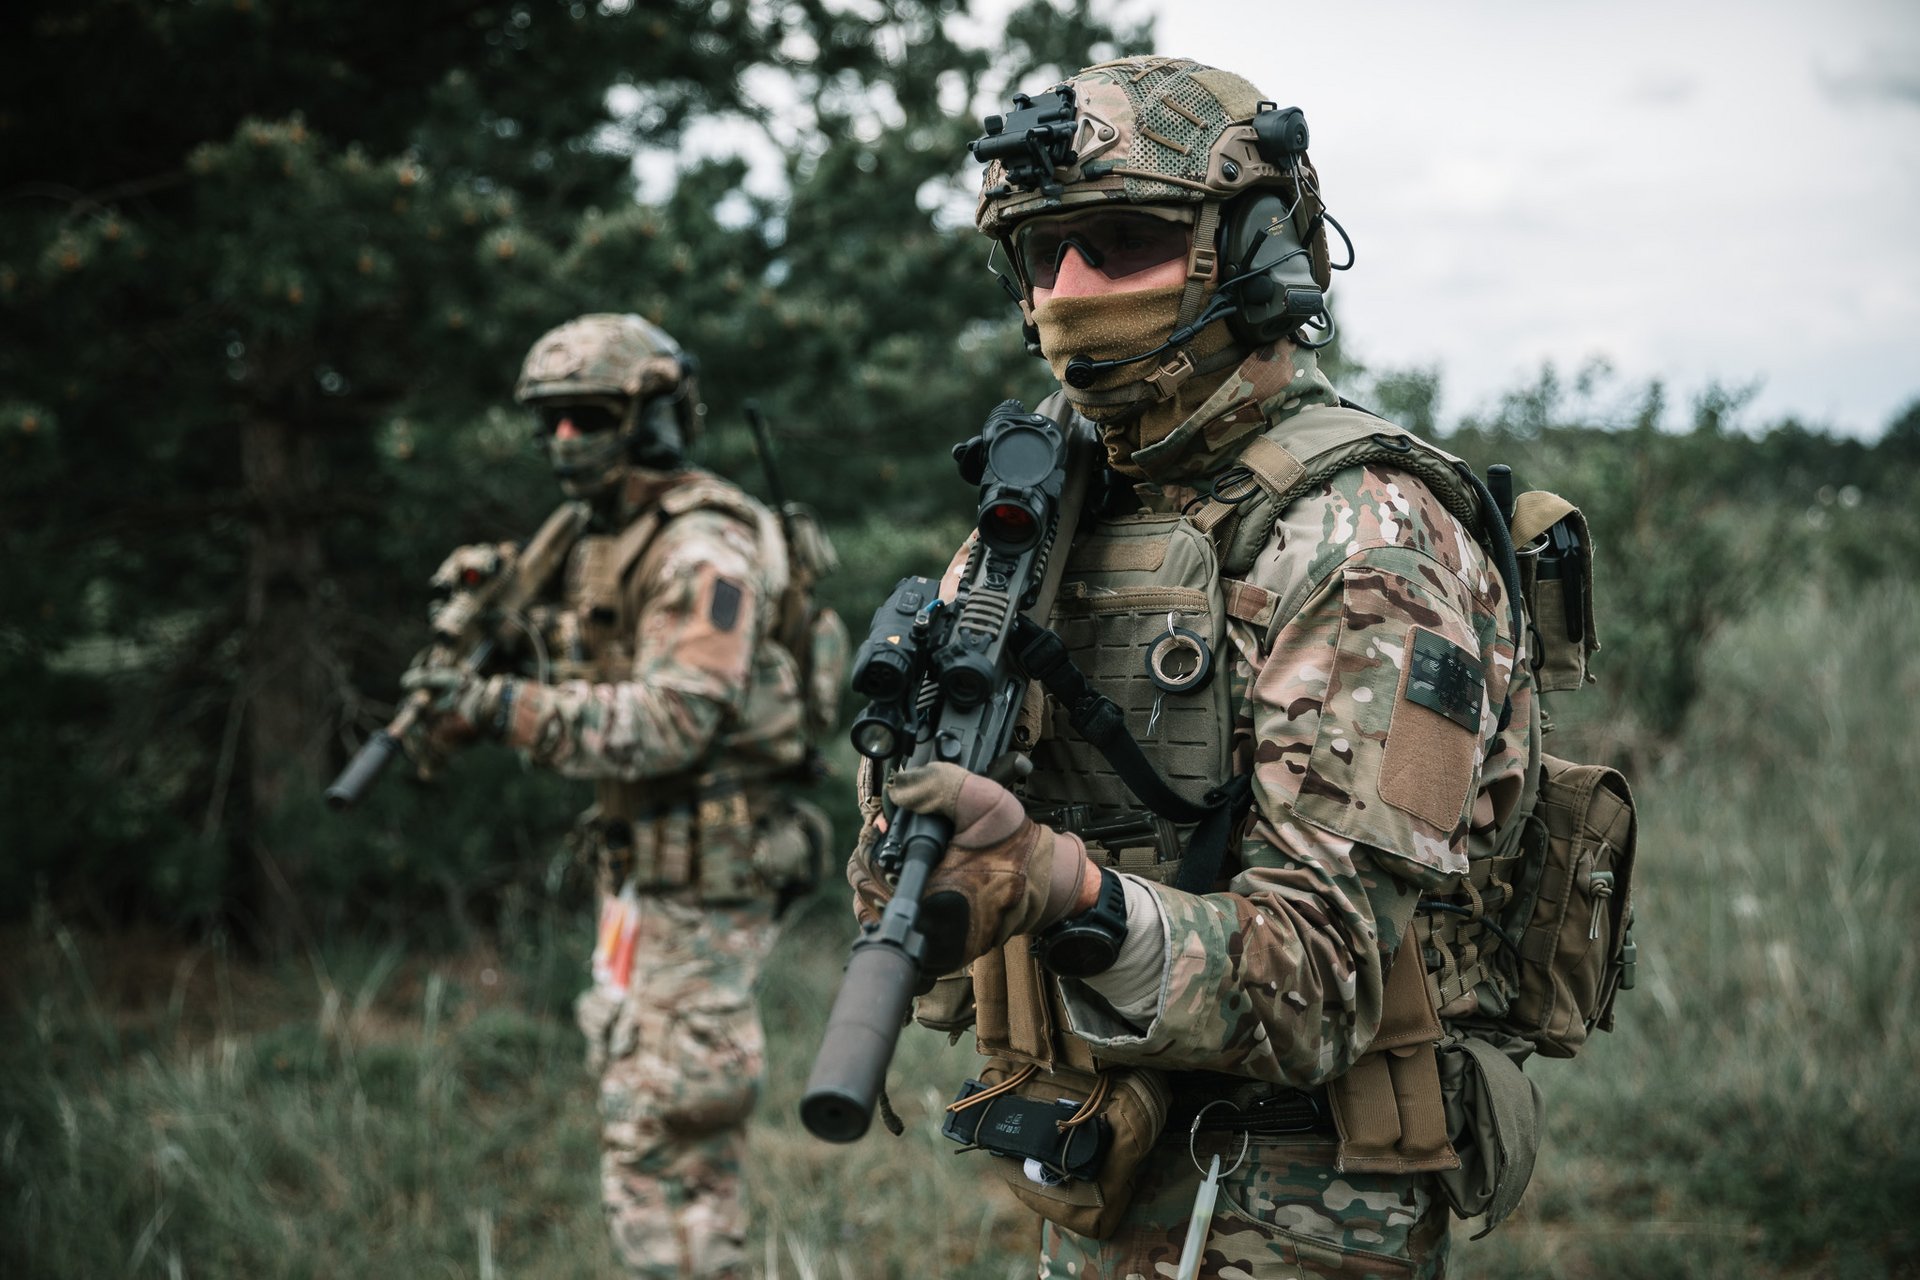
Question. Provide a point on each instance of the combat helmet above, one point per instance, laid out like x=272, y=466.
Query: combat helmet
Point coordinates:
x=628, y=366
x=1184, y=140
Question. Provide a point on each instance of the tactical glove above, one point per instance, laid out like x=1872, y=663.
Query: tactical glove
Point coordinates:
x=464, y=708
x=1004, y=874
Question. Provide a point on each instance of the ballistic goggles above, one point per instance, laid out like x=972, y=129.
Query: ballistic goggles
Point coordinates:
x=588, y=418
x=1115, y=242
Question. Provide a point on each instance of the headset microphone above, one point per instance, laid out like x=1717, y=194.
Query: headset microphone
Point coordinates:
x=1082, y=369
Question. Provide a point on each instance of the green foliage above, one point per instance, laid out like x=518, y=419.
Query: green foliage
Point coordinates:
x=262, y=328
x=1693, y=529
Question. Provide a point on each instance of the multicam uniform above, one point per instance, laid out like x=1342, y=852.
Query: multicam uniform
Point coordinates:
x=668, y=693
x=1363, y=801
x=1365, y=678
x=663, y=612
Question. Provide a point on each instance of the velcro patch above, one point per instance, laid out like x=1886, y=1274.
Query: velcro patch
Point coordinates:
x=1445, y=678
x=725, y=609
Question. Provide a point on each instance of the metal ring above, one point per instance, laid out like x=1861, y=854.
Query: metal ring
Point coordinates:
x=1163, y=646
x=1246, y=1139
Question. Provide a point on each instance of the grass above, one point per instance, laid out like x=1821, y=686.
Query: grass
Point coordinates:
x=169, y=1111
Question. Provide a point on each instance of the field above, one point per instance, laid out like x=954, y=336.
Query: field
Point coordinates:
x=168, y=1110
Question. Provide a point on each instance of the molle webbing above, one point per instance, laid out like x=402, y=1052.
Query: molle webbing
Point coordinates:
x=1103, y=724
x=685, y=830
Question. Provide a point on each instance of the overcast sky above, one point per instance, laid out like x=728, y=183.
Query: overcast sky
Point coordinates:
x=1695, y=191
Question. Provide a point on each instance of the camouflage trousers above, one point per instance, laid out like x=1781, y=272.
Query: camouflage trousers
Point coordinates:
x=680, y=1060
x=1284, y=1214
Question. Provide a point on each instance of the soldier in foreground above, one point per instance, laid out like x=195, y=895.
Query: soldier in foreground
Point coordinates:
x=1289, y=1049
x=666, y=676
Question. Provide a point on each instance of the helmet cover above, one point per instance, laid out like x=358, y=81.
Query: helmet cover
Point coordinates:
x=1150, y=131
x=602, y=355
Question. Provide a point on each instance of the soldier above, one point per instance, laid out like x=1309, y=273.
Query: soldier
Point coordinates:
x=1295, y=594
x=666, y=685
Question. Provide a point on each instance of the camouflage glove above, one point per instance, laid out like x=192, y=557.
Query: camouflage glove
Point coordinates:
x=463, y=709
x=1004, y=874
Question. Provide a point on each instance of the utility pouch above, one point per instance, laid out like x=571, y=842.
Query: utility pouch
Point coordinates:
x=1574, y=909
x=1033, y=1130
x=789, y=849
x=1493, y=1114
x=1086, y=1134
x=948, y=1006
x=1388, y=1108
x=727, y=842
x=1555, y=552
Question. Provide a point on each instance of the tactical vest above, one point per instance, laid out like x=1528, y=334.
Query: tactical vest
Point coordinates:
x=1143, y=610
x=706, y=828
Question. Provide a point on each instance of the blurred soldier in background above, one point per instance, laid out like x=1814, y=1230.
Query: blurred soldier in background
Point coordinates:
x=1287, y=595
x=660, y=673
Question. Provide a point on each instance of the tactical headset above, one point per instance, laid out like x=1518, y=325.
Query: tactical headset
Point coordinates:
x=1267, y=288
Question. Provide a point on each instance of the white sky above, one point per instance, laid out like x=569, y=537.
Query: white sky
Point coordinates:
x=1695, y=191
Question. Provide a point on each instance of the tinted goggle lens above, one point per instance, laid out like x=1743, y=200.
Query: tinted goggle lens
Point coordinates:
x=586, y=418
x=1115, y=244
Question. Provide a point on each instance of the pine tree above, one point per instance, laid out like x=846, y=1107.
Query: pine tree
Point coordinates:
x=266, y=270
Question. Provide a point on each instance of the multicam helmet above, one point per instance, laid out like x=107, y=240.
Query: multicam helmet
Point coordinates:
x=1179, y=136
x=599, y=356
x=626, y=364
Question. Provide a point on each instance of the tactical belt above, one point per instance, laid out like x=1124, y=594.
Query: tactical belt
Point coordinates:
x=671, y=842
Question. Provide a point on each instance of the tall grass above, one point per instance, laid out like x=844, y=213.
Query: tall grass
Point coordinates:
x=1754, y=1112
x=171, y=1112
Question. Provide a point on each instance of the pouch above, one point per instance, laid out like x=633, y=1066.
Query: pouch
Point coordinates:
x=1555, y=551
x=1574, y=908
x=727, y=839
x=1388, y=1106
x=789, y=851
x=1125, y=1110
x=948, y=1006
x=1493, y=1114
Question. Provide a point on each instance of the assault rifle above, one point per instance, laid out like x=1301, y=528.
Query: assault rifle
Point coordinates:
x=486, y=594
x=944, y=684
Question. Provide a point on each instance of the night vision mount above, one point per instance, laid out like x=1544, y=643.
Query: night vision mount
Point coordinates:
x=1032, y=140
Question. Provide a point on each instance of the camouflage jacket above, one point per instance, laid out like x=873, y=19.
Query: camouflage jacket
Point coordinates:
x=1280, y=976
x=687, y=681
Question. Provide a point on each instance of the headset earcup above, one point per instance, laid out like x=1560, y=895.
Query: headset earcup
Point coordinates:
x=658, y=440
x=1243, y=225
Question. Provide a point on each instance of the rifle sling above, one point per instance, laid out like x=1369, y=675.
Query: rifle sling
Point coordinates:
x=1099, y=720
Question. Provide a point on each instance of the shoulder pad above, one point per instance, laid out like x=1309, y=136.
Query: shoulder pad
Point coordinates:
x=704, y=492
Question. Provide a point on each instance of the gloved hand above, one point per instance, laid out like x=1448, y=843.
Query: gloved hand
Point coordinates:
x=1004, y=874
x=463, y=708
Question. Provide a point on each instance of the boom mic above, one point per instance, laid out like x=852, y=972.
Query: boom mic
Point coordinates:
x=1082, y=369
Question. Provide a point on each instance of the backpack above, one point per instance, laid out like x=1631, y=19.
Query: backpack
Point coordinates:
x=813, y=633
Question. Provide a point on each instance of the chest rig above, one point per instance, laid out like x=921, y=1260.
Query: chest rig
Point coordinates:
x=701, y=828
x=1144, y=611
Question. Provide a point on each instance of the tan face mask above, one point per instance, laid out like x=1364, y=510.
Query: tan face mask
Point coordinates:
x=1108, y=326
x=1112, y=325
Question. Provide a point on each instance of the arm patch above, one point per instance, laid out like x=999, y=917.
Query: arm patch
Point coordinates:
x=1445, y=678
x=724, y=611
